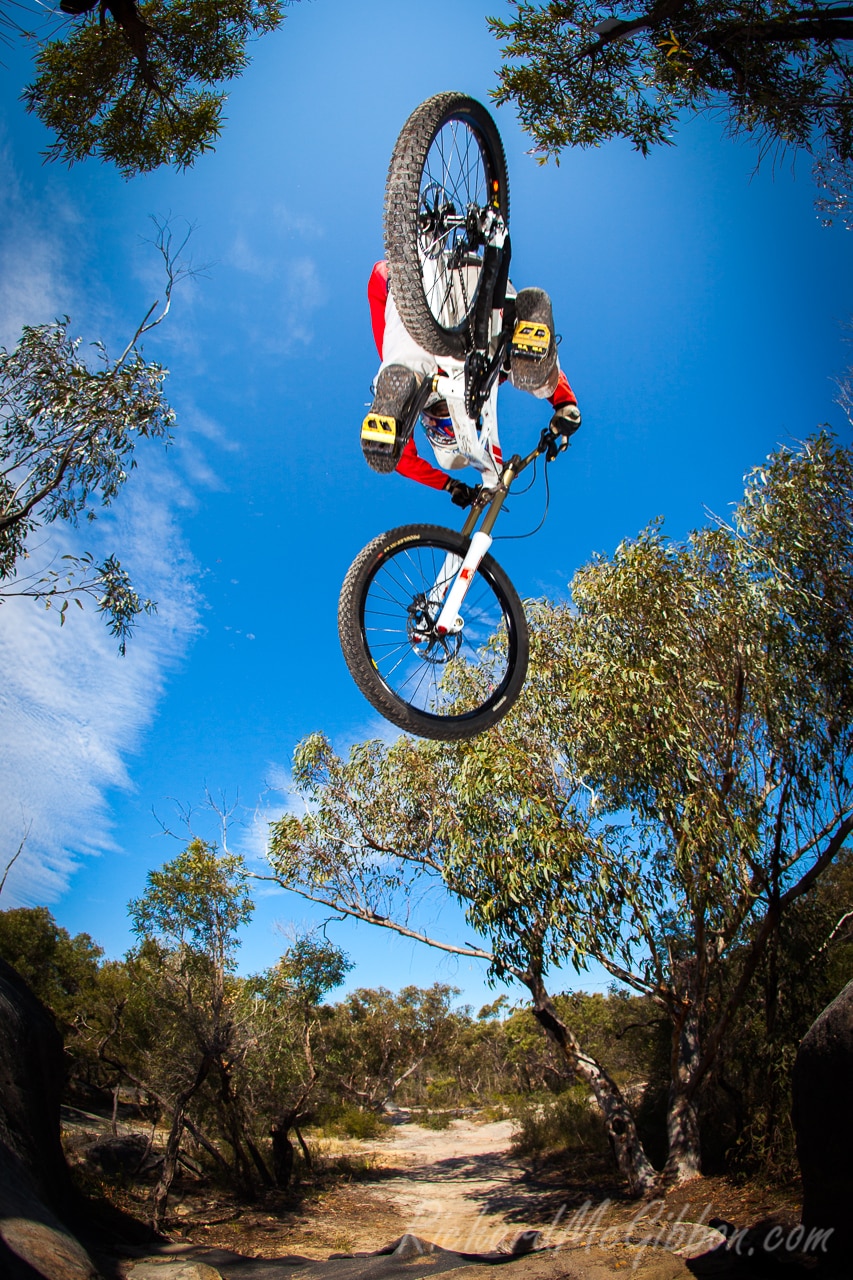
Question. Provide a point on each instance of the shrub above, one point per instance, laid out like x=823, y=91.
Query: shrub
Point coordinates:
x=569, y=1122
x=364, y=1125
x=437, y=1120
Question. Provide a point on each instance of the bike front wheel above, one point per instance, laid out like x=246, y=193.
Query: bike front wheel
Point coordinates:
x=446, y=687
x=447, y=174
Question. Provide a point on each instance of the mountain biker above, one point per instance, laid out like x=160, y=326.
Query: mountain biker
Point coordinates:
x=405, y=364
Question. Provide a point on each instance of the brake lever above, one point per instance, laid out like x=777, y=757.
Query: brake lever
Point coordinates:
x=551, y=443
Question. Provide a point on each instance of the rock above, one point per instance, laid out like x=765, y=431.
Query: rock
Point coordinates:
x=409, y=1246
x=36, y=1244
x=168, y=1269
x=395, y=1114
x=525, y=1242
x=123, y=1154
x=31, y=1075
x=35, y=1185
x=823, y=1120
x=694, y=1239
x=404, y=1247
x=521, y=1243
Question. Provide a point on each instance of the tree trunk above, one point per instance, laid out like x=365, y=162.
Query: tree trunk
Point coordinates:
x=633, y=1163
x=282, y=1151
x=191, y=1127
x=306, y=1150
x=682, y=1128
x=237, y=1137
x=682, y=1124
x=170, y=1161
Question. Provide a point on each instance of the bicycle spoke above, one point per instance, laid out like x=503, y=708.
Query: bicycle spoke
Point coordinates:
x=439, y=674
x=454, y=181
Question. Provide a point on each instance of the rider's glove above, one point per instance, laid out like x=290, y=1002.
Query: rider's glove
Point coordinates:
x=566, y=420
x=462, y=494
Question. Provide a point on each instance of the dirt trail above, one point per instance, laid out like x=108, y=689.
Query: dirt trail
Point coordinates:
x=461, y=1187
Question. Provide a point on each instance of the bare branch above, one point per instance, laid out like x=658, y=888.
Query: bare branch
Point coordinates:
x=16, y=855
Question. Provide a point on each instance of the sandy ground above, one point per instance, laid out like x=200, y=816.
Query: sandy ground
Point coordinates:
x=461, y=1189
x=459, y=1185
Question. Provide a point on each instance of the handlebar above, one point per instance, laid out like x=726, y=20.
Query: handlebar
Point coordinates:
x=490, y=501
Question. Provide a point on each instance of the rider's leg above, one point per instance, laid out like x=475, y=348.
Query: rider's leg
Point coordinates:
x=398, y=347
x=389, y=421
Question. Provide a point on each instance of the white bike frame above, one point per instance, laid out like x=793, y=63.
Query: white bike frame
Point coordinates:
x=478, y=442
x=480, y=445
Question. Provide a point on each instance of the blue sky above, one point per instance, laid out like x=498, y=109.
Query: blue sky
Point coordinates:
x=702, y=310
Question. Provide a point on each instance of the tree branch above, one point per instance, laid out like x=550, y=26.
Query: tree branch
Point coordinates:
x=371, y=917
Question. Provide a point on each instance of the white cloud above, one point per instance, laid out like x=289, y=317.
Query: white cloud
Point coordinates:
x=71, y=709
x=302, y=288
x=202, y=424
x=302, y=293
x=34, y=284
x=243, y=258
x=49, y=263
x=296, y=224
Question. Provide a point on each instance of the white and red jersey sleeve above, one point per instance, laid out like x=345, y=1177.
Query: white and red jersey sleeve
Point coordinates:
x=414, y=467
x=563, y=393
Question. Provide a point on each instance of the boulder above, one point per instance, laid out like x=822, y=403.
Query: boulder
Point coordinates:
x=35, y=1186
x=124, y=1154
x=823, y=1120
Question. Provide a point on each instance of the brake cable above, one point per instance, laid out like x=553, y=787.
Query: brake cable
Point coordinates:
x=511, y=537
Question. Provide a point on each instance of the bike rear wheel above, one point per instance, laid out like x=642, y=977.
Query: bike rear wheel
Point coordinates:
x=446, y=687
x=447, y=171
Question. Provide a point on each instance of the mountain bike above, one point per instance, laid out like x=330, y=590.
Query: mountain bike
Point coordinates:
x=432, y=629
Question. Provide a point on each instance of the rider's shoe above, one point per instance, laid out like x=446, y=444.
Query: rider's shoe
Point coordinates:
x=390, y=420
x=533, y=347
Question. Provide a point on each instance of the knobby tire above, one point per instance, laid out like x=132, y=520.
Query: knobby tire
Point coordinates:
x=442, y=697
x=408, y=178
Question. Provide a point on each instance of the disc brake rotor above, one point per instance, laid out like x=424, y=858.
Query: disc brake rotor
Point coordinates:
x=430, y=647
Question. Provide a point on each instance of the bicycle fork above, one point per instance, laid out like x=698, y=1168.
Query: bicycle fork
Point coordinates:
x=461, y=572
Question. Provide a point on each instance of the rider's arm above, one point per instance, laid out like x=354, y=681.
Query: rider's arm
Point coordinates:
x=414, y=467
x=567, y=418
x=563, y=393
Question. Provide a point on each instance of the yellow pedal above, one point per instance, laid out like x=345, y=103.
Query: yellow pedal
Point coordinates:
x=378, y=428
x=531, y=339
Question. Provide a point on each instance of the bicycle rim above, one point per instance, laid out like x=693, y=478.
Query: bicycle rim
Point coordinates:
x=443, y=687
x=448, y=171
x=457, y=177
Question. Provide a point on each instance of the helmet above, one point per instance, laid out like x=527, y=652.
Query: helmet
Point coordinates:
x=438, y=424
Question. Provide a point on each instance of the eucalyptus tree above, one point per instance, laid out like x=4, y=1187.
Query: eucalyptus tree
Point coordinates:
x=778, y=71
x=388, y=832
x=677, y=776
x=707, y=688
x=376, y=1040
x=281, y=1075
x=188, y=921
x=140, y=84
x=60, y=969
x=69, y=430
